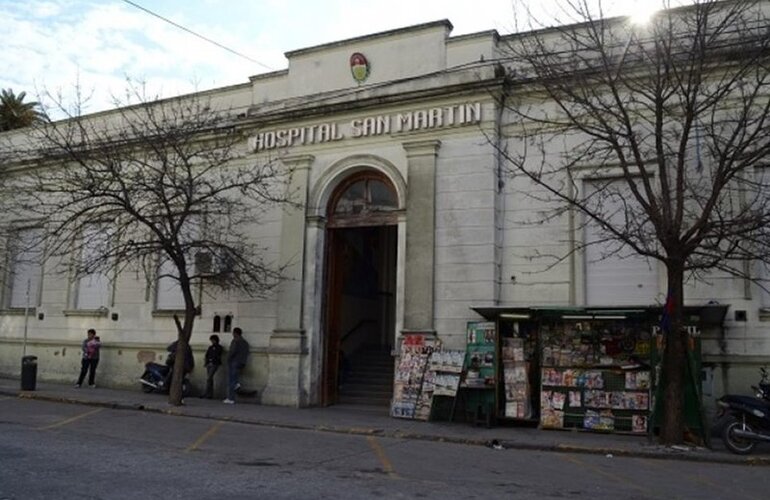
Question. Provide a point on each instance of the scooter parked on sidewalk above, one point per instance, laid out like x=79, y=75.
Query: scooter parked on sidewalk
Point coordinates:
x=156, y=379
x=747, y=418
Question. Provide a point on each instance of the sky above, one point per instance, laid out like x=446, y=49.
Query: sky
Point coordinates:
x=58, y=46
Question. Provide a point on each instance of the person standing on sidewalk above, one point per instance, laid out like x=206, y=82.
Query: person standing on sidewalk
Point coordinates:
x=90, y=358
x=212, y=360
x=236, y=360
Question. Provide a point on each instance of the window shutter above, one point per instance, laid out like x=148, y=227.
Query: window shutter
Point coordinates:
x=615, y=278
x=26, y=269
x=763, y=274
x=93, y=289
x=169, y=293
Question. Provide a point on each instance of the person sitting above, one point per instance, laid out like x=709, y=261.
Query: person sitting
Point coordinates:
x=189, y=361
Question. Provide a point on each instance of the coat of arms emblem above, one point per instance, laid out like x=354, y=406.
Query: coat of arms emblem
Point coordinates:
x=359, y=67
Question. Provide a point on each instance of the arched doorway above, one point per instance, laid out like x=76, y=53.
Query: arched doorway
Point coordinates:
x=360, y=290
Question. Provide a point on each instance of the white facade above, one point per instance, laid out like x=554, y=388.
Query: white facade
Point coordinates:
x=425, y=120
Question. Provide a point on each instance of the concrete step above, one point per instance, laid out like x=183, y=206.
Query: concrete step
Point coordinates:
x=364, y=400
x=385, y=378
x=372, y=368
x=357, y=385
x=370, y=380
x=362, y=390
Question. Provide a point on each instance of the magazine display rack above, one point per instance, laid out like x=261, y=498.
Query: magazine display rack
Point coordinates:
x=478, y=383
x=408, y=400
x=441, y=381
x=481, y=356
x=444, y=369
x=516, y=379
x=424, y=372
x=595, y=375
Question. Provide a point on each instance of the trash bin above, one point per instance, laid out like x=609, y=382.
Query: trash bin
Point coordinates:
x=28, y=373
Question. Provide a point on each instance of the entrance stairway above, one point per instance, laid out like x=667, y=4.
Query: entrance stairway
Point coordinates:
x=370, y=380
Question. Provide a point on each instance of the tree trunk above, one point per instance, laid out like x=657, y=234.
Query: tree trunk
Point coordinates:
x=184, y=332
x=674, y=359
x=175, y=390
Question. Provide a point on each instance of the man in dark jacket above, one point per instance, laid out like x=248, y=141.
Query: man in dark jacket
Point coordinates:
x=236, y=360
x=212, y=360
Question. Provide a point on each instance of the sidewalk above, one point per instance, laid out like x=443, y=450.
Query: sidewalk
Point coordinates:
x=376, y=421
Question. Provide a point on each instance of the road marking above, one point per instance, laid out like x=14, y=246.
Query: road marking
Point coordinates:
x=69, y=420
x=599, y=470
x=3, y=398
x=213, y=430
x=728, y=492
x=703, y=481
x=380, y=452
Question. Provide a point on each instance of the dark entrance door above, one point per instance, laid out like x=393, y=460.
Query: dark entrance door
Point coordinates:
x=359, y=327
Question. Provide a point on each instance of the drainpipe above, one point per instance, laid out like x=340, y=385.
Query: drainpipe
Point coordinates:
x=499, y=145
x=26, y=320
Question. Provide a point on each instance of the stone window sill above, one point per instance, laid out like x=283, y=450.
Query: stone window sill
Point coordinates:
x=98, y=313
x=16, y=311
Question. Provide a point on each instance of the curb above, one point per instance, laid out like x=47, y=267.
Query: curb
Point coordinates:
x=657, y=454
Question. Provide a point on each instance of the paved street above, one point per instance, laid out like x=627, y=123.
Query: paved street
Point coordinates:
x=60, y=450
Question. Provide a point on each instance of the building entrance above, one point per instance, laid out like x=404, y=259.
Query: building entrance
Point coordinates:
x=360, y=293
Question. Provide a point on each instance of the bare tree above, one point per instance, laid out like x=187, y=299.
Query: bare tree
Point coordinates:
x=671, y=123
x=166, y=187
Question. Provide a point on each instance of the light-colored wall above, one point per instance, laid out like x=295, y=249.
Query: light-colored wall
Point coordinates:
x=395, y=58
x=138, y=330
x=465, y=231
x=472, y=48
x=471, y=218
x=404, y=54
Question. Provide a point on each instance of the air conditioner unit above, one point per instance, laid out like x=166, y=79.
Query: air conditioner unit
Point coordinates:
x=213, y=265
x=203, y=263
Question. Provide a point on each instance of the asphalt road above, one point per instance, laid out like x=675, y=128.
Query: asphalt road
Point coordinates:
x=56, y=450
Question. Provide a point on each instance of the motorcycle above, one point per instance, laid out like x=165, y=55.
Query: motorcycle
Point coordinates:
x=747, y=418
x=155, y=376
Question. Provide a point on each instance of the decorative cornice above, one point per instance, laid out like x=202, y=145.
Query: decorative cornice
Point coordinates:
x=296, y=109
x=422, y=148
x=298, y=161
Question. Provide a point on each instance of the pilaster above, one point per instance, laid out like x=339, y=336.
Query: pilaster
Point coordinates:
x=287, y=347
x=420, y=234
